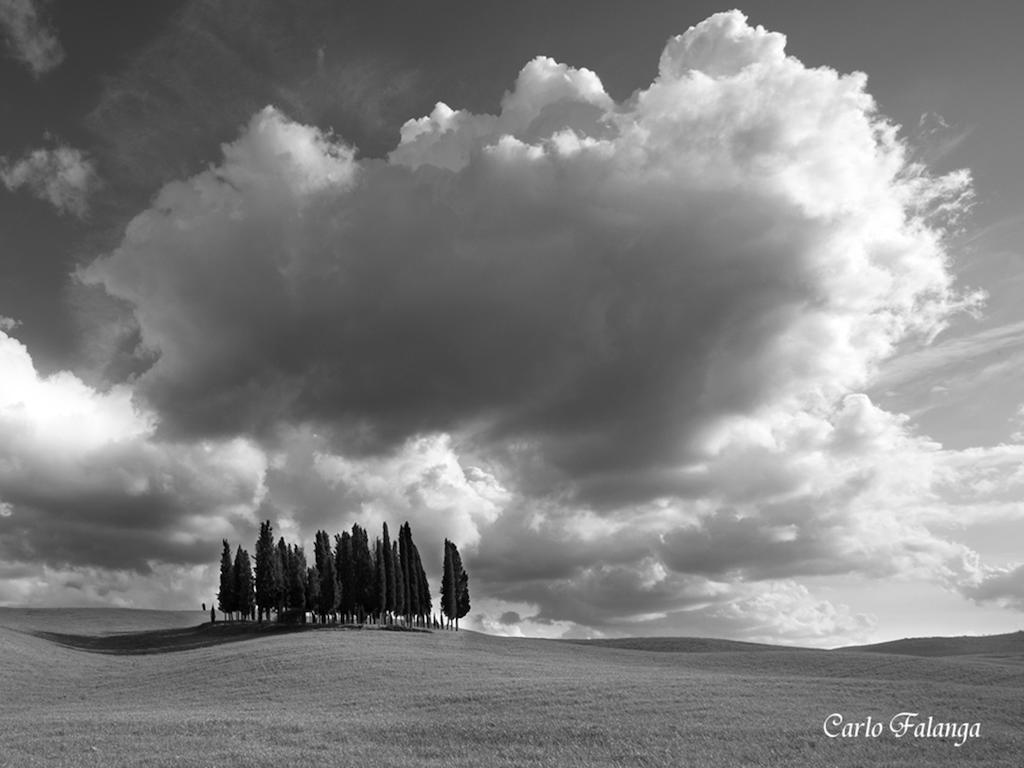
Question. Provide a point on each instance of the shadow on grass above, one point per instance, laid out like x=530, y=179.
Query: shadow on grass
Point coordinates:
x=190, y=638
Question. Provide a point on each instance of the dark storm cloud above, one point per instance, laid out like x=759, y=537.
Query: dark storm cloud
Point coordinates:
x=603, y=281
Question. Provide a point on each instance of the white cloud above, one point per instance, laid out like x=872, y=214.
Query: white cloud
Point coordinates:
x=84, y=480
x=63, y=177
x=29, y=37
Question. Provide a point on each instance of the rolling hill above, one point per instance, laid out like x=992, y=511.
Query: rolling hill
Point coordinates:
x=114, y=688
x=1009, y=645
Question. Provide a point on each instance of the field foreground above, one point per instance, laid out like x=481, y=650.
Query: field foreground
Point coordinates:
x=148, y=688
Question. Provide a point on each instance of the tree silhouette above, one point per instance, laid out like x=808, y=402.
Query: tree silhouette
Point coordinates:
x=380, y=581
x=362, y=562
x=226, y=595
x=295, y=582
x=449, y=601
x=244, y=595
x=345, y=567
x=327, y=588
x=423, y=587
x=400, y=607
x=456, y=602
x=312, y=591
x=390, y=580
x=269, y=576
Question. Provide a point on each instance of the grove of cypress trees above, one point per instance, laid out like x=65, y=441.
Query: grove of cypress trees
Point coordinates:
x=226, y=594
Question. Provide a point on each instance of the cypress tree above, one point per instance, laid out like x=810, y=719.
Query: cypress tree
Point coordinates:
x=448, y=598
x=282, y=556
x=295, y=571
x=362, y=562
x=345, y=568
x=461, y=586
x=243, y=584
x=269, y=575
x=423, y=600
x=312, y=591
x=415, y=578
x=327, y=588
x=226, y=595
x=380, y=582
x=401, y=608
x=403, y=559
x=389, y=571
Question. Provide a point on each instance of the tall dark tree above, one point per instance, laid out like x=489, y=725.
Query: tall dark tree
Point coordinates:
x=313, y=590
x=226, y=595
x=269, y=576
x=283, y=556
x=389, y=571
x=461, y=586
x=462, y=601
x=345, y=567
x=423, y=601
x=362, y=563
x=380, y=581
x=295, y=583
x=245, y=597
x=327, y=589
x=403, y=560
x=400, y=607
x=449, y=599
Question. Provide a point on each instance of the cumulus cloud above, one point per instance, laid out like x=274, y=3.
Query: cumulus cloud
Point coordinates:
x=999, y=585
x=616, y=349
x=604, y=281
x=83, y=483
x=28, y=37
x=63, y=177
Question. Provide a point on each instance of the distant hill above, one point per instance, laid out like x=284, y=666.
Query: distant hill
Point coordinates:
x=97, y=621
x=679, y=644
x=1010, y=644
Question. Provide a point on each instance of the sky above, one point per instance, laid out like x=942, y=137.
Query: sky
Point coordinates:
x=678, y=319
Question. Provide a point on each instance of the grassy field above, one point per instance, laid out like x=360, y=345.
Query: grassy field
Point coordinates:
x=147, y=688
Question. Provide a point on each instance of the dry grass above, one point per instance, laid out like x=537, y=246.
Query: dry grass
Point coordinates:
x=226, y=697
